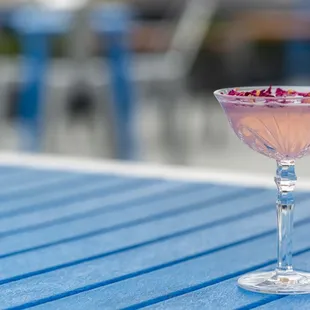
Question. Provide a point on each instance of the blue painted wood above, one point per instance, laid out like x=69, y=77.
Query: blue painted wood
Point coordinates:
x=89, y=191
x=109, y=269
x=68, y=210
x=89, y=198
x=137, y=243
x=104, y=206
x=86, y=189
x=15, y=177
x=25, y=179
x=161, y=269
x=223, y=295
x=37, y=185
x=50, y=186
x=84, y=208
x=83, y=228
x=8, y=170
x=226, y=295
x=107, y=241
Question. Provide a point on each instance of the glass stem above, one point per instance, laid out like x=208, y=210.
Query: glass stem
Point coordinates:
x=285, y=180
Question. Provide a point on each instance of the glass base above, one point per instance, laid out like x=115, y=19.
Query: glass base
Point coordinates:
x=273, y=282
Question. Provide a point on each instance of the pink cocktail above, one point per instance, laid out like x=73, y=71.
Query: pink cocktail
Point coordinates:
x=276, y=123
x=279, y=132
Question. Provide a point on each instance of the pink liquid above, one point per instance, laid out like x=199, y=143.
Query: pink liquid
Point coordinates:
x=279, y=132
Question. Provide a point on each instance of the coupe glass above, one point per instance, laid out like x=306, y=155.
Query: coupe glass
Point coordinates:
x=277, y=127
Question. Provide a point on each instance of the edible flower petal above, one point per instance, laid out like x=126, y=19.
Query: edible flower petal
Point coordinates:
x=269, y=92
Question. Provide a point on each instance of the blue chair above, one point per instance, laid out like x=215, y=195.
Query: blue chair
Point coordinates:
x=112, y=21
x=34, y=26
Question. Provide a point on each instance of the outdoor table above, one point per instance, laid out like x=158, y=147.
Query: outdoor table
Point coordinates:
x=80, y=234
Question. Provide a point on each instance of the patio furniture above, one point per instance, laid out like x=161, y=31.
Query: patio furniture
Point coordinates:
x=78, y=234
x=34, y=33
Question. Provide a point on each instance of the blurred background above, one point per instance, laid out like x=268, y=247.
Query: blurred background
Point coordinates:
x=133, y=80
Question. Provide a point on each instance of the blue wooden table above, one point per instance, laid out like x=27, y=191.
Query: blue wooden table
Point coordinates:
x=110, y=237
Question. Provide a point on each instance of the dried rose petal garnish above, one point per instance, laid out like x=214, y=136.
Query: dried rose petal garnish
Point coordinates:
x=269, y=92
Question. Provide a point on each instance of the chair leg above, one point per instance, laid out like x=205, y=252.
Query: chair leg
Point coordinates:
x=35, y=50
x=113, y=22
x=124, y=107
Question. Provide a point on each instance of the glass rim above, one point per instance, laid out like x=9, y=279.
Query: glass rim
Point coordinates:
x=252, y=99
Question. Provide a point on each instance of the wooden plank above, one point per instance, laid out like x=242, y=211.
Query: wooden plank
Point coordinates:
x=42, y=185
x=85, y=208
x=86, y=204
x=41, y=193
x=212, y=275
x=174, y=262
x=103, y=244
x=189, y=203
x=227, y=295
x=6, y=171
x=56, y=200
x=21, y=179
x=223, y=295
x=171, y=280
